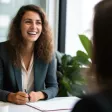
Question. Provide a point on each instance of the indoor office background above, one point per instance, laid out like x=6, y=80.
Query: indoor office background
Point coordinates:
x=8, y=9
x=68, y=18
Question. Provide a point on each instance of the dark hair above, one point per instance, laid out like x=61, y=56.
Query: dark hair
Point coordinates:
x=43, y=48
x=102, y=43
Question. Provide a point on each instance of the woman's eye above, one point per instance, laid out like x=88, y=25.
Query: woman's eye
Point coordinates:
x=39, y=23
x=27, y=21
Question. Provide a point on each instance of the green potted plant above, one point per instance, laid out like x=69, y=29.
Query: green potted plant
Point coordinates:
x=71, y=82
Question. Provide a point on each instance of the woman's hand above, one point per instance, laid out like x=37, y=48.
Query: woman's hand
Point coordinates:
x=18, y=98
x=35, y=96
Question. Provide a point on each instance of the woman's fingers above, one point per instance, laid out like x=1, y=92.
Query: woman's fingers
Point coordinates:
x=18, y=98
x=35, y=96
x=21, y=97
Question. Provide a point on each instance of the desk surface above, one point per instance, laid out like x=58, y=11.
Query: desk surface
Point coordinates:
x=58, y=104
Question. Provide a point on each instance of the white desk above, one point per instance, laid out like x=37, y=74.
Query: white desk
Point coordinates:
x=58, y=104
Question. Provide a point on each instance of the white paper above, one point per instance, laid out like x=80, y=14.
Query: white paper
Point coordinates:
x=4, y=107
x=60, y=103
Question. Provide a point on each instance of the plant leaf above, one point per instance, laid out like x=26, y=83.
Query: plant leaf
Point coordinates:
x=59, y=55
x=66, y=60
x=82, y=58
x=87, y=44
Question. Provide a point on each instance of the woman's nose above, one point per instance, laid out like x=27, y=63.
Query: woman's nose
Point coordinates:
x=33, y=25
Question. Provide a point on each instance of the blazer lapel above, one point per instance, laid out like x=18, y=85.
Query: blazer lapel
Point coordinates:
x=18, y=77
x=39, y=70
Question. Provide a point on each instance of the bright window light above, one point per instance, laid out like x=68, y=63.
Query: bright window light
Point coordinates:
x=5, y=1
x=4, y=21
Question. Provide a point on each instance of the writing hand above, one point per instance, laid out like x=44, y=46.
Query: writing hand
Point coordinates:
x=35, y=96
x=18, y=98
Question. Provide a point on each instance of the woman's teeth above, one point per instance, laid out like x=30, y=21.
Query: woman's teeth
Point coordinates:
x=32, y=33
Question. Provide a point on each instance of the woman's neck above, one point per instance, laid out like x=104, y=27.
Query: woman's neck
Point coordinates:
x=28, y=49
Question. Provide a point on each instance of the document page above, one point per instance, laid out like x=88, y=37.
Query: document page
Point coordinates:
x=4, y=107
x=56, y=104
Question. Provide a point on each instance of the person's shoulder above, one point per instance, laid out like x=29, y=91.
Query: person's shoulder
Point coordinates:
x=86, y=104
x=93, y=103
x=3, y=47
x=3, y=44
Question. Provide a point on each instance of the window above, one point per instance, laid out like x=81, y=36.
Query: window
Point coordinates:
x=8, y=8
x=78, y=20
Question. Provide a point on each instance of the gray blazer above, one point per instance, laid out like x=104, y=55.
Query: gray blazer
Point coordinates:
x=10, y=76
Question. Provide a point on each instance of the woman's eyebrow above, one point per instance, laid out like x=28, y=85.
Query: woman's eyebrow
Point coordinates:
x=32, y=19
x=27, y=19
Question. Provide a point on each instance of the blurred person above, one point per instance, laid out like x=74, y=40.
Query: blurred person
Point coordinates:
x=27, y=60
x=101, y=68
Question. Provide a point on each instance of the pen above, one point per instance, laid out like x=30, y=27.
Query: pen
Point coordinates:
x=28, y=94
x=25, y=90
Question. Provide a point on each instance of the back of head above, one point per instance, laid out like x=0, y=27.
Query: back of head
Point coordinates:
x=102, y=42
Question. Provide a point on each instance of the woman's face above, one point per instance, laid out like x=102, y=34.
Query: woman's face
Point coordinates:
x=31, y=26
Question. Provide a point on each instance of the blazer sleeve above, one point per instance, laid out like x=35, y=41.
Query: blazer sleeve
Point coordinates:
x=3, y=93
x=51, y=80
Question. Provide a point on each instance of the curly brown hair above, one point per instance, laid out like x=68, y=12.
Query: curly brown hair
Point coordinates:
x=43, y=48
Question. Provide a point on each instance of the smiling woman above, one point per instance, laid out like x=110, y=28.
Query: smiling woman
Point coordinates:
x=27, y=59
